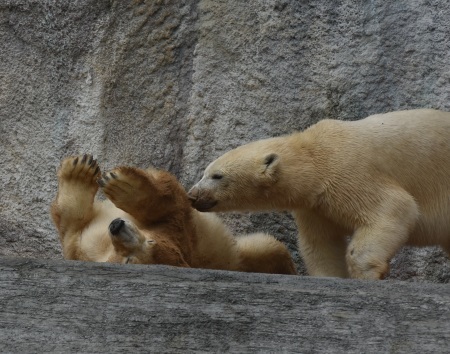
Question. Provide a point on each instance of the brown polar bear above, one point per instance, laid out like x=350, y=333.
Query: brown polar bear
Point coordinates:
x=384, y=179
x=148, y=218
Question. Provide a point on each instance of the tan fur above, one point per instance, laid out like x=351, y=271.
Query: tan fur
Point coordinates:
x=157, y=223
x=384, y=179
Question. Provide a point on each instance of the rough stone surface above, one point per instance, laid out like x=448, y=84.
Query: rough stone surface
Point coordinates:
x=176, y=83
x=74, y=307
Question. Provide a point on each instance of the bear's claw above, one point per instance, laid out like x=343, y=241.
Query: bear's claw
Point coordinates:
x=105, y=178
x=83, y=167
x=125, y=187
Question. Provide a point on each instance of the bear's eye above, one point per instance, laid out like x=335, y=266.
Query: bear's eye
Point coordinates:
x=216, y=176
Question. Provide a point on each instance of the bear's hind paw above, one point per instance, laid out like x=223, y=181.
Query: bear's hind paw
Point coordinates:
x=82, y=168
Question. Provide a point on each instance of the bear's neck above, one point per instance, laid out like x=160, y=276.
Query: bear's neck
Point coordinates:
x=302, y=173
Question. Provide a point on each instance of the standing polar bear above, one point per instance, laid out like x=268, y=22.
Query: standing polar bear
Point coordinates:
x=384, y=179
x=148, y=219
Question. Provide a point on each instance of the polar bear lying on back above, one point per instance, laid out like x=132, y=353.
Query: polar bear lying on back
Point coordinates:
x=148, y=219
x=384, y=179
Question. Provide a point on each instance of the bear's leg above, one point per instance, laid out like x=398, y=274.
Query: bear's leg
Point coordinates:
x=72, y=208
x=147, y=196
x=263, y=253
x=322, y=245
x=373, y=246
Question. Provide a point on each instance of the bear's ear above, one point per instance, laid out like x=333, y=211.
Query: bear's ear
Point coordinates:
x=271, y=162
x=270, y=159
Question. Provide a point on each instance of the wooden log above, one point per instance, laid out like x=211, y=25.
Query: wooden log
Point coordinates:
x=62, y=306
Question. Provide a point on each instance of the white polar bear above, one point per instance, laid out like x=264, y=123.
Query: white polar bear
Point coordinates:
x=384, y=179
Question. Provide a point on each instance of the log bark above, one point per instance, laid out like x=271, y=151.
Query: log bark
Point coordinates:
x=62, y=306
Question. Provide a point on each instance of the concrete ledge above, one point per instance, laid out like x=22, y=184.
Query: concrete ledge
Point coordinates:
x=60, y=306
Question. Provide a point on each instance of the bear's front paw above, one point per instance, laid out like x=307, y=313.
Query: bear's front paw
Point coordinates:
x=372, y=270
x=124, y=185
x=80, y=168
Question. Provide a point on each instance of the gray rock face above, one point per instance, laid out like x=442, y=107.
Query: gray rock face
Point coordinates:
x=177, y=83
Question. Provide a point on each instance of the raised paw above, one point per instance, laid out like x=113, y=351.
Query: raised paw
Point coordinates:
x=125, y=186
x=72, y=208
x=81, y=168
x=147, y=195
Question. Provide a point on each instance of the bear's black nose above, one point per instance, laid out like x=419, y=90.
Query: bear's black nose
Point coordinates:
x=115, y=226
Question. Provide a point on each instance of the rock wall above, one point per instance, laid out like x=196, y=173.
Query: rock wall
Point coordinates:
x=176, y=83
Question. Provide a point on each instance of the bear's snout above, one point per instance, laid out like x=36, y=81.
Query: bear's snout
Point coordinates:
x=193, y=194
x=201, y=200
x=115, y=226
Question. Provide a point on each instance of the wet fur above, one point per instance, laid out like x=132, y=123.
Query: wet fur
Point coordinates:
x=160, y=226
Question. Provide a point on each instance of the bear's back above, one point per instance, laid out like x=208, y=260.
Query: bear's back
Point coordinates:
x=404, y=142
x=409, y=149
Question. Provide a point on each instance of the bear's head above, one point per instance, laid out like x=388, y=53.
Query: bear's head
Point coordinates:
x=142, y=246
x=270, y=174
x=241, y=179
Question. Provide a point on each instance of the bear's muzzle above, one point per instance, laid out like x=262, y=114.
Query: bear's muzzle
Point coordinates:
x=199, y=200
